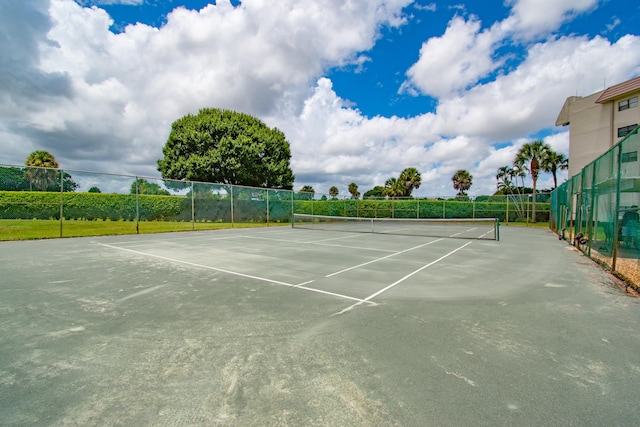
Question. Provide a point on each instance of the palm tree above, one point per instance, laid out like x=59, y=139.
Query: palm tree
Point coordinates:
x=333, y=191
x=411, y=179
x=306, y=192
x=307, y=189
x=535, y=154
x=462, y=181
x=39, y=165
x=393, y=187
x=353, y=189
x=504, y=177
x=553, y=163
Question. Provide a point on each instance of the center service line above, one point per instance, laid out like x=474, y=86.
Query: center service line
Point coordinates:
x=403, y=279
x=380, y=259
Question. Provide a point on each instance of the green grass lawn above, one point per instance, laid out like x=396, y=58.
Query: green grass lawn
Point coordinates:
x=26, y=229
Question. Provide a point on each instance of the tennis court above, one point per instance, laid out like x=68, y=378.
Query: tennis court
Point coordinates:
x=287, y=326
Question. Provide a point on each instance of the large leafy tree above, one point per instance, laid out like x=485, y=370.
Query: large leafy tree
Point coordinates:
x=462, y=181
x=333, y=191
x=553, y=163
x=41, y=171
x=532, y=155
x=227, y=147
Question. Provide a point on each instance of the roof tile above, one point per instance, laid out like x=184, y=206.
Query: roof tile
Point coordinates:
x=618, y=90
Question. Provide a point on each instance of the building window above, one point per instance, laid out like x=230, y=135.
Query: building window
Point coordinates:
x=626, y=130
x=629, y=157
x=628, y=103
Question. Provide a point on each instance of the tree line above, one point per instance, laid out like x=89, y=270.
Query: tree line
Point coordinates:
x=402, y=186
x=228, y=147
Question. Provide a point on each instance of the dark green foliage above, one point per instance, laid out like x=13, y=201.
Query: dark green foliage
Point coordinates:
x=249, y=206
x=146, y=187
x=17, y=179
x=89, y=206
x=68, y=184
x=13, y=179
x=377, y=191
x=227, y=147
x=94, y=189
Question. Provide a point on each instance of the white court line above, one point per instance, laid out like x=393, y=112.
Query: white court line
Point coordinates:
x=203, y=235
x=235, y=273
x=380, y=259
x=355, y=235
x=403, y=279
x=176, y=239
x=356, y=247
x=298, y=242
x=360, y=301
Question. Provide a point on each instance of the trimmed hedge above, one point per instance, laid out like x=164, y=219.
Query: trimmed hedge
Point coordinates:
x=207, y=207
x=420, y=209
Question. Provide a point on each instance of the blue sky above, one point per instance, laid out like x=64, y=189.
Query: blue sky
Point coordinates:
x=362, y=89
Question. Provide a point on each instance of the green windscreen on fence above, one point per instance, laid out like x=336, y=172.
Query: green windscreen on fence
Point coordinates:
x=598, y=210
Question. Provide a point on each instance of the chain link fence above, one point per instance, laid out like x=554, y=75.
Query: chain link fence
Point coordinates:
x=44, y=203
x=597, y=210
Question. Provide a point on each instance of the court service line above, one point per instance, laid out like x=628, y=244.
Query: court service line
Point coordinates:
x=382, y=258
x=235, y=273
x=298, y=242
x=404, y=278
x=355, y=235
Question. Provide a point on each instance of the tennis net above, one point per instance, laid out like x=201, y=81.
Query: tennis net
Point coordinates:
x=462, y=228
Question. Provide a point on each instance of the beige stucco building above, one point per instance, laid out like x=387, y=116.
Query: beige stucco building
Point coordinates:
x=599, y=121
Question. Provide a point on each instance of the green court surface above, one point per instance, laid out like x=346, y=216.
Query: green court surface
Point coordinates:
x=295, y=327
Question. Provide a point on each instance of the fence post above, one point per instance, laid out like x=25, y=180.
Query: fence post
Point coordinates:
x=137, y=207
x=614, y=252
x=231, y=197
x=267, y=190
x=193, y=209
x=61, y=199
x=507, y=218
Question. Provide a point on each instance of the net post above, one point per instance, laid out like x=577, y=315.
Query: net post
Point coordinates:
x=497, y=227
